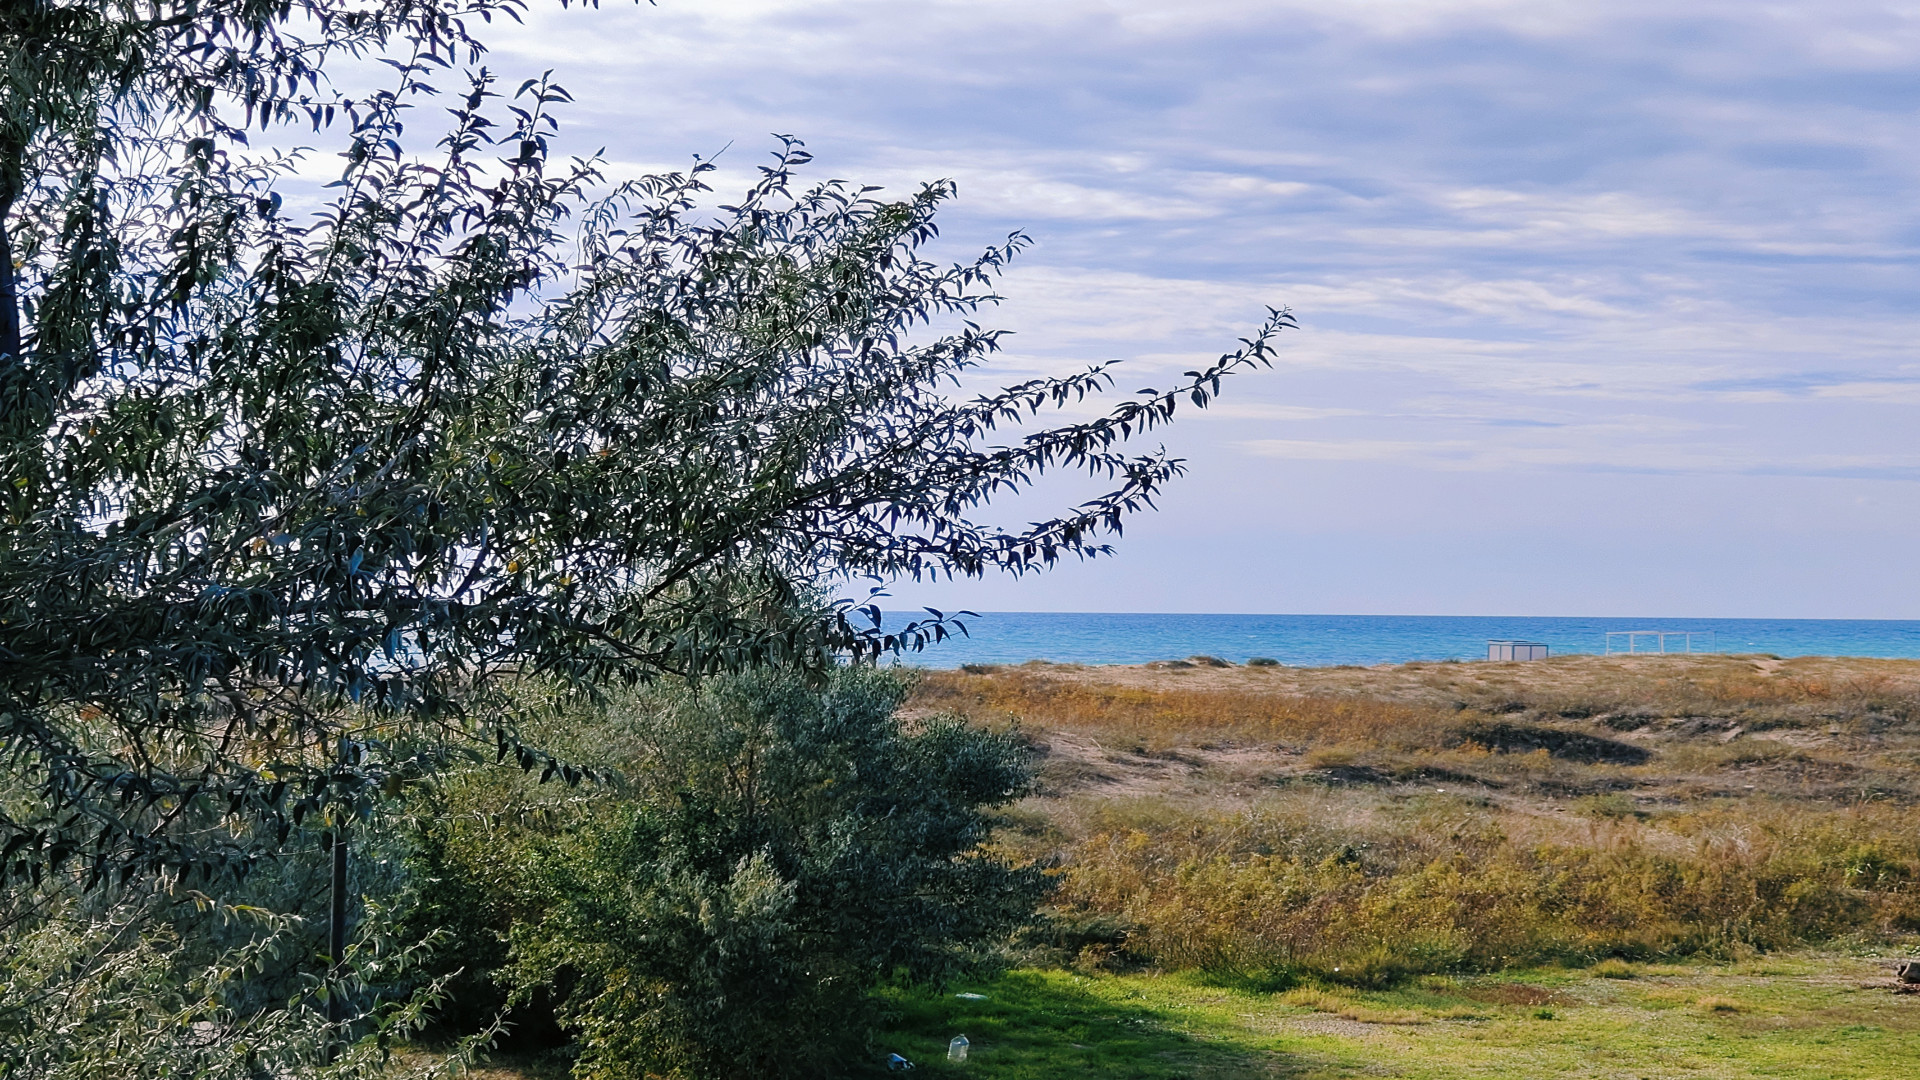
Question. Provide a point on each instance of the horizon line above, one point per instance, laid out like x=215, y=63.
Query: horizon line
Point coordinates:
x=962, y=612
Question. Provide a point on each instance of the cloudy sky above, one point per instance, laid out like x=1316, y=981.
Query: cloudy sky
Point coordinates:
x=1606, y=309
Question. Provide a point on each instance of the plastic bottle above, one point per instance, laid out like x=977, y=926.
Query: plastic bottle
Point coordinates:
x=957, y=1049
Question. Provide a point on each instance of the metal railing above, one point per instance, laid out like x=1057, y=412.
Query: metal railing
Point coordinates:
x=1637, y=642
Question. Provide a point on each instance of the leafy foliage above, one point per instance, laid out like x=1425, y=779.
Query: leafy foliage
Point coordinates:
x=300, y=505
x=133, y=983
x=287, y=497
x=789, y=850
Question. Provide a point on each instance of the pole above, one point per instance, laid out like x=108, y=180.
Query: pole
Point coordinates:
x=337, y=938
x=336, y=841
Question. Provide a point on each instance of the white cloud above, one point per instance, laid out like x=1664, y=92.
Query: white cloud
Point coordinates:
x=1530, y=242
x=1650, y=457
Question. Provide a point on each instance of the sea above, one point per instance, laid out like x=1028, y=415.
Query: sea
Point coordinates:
x=1012, y=637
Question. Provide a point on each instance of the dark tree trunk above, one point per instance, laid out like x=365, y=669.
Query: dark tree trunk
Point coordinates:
x=9, y=293
x=10, y=331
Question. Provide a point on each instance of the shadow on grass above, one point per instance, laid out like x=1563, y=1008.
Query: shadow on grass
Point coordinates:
x=1047, y=1024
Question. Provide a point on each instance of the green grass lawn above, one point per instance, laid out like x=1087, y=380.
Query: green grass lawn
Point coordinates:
x=1813, y=1017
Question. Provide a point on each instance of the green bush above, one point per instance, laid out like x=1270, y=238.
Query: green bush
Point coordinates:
x=140, y=982
x=779, y=852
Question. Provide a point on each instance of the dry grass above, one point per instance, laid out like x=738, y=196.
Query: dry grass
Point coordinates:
x=1425, y=817
x=1345, y=1008
x=1521, y=994
x=1156, y=717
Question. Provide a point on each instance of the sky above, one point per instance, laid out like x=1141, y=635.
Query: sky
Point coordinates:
x=1605, y=309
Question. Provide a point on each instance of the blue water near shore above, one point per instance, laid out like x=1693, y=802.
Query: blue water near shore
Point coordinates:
x=1011, y=637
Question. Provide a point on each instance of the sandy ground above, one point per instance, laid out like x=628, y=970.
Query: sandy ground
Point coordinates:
x=1439, y=682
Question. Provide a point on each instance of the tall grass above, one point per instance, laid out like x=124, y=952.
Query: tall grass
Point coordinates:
x=1424, y=822
x=1363, y=894
x=1161, y=718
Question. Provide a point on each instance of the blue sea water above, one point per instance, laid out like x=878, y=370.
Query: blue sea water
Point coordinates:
x=1011, y=637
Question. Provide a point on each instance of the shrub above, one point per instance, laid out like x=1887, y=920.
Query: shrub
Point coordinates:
x=1578, y=746
x=786, y=849
x=139, y=982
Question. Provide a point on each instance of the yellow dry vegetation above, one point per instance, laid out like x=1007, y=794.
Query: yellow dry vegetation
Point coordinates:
x=1359, y=825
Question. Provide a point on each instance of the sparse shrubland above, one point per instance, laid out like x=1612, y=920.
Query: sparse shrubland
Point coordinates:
x=1362, y=825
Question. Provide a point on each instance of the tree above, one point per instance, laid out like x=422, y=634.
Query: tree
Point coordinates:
x=287, y=496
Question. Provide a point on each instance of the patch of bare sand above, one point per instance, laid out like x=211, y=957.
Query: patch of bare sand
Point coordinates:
x=1074, y=763
x=1313, y=1024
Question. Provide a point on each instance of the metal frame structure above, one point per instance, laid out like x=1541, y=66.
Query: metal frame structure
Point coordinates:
x=1689, y=640
x=1516, y=650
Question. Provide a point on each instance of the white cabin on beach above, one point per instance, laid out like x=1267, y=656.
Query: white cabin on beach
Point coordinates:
x=1516, y=650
